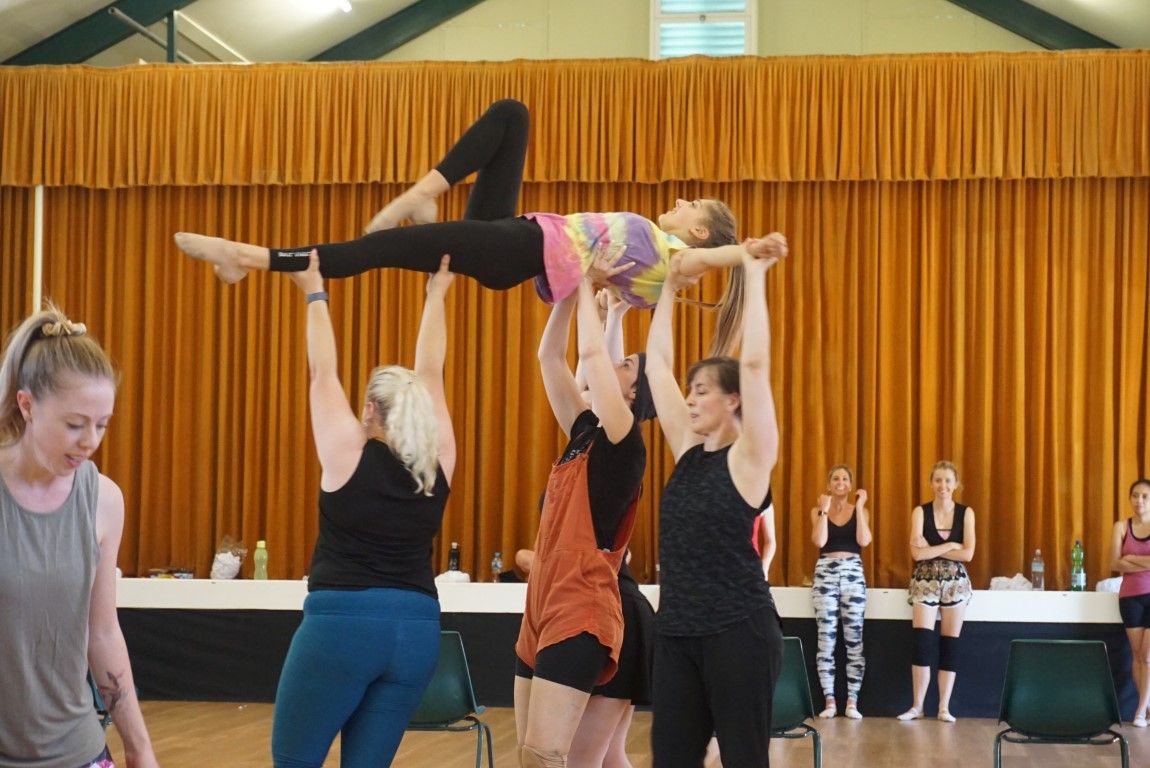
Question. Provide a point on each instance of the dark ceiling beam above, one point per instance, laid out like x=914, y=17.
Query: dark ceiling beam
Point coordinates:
x=96, y=33
x=1035, y=24
x=397, y=29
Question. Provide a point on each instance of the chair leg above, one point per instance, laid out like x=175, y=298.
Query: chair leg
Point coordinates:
x=1125, y=751
x=479, y=747
x=818, y=750
x=490, y=747
x=998, y=751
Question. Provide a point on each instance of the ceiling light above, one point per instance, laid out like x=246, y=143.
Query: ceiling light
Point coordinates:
x=345, y=6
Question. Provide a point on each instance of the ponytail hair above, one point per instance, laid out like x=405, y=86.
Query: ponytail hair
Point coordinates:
x=39, y=353
x=720, y=223
x=407, y=413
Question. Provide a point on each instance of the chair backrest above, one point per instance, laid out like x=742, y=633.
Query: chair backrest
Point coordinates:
x=792, y=703
x=1058, y=688
x=449, y=695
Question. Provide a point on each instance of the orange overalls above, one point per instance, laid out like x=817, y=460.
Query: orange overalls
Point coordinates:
x=573, y=586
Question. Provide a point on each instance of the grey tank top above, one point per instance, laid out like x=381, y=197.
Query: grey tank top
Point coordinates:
x=47, y=566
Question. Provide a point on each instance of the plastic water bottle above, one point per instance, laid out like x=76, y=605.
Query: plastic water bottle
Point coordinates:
x=260, y=559
x=453, y=557
x=1077, y=568
x=496, y=567
x=1037, y=571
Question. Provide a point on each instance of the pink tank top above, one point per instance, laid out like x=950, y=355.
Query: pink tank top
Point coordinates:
x=1135, y=583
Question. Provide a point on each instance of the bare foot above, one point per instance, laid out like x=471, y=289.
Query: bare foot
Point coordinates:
x=411, y=205
x=221, y=253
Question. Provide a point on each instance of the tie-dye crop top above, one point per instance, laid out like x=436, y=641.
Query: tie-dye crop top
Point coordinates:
x=569, y=244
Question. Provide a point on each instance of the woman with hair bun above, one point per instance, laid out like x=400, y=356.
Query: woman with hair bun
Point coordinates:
x=60, y=528
x=369, y=641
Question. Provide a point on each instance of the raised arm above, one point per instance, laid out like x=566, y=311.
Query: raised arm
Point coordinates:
x=611, y=309
x=862, y=519
x=107, y=651
x=607, y=401
x=339, y=436
x=674, y=418
x=819, y=521
x=562, y=392
x=430, y=353
x=756, y=449
x=693, y=262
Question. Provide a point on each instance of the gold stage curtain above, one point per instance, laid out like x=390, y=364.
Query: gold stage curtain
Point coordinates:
x=969, y=279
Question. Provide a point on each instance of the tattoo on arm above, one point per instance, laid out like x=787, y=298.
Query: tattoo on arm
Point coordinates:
x=111, y=692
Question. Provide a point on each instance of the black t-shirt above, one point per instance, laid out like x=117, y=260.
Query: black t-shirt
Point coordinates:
x=377, y=531
x=614, y=472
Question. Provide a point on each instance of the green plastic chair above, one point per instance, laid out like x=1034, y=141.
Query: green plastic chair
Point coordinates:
x=449, y=702
x=792, y=705
x=1059, y=692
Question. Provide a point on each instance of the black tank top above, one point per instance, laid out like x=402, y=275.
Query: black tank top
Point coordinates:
x=843, y=538
x=930, y=532
x=377, y=531
x=709, y=574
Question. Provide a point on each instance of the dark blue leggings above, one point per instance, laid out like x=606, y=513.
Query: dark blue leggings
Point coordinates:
x=357, y=666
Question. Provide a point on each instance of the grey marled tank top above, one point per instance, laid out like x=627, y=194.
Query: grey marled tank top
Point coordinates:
x=47, y=565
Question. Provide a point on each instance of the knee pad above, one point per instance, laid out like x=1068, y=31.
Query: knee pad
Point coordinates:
x=529, y=757
x=925, y=648
x=948, y=654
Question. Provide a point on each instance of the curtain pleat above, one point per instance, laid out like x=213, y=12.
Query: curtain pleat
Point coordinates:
x=889, y=118
x=968, y=279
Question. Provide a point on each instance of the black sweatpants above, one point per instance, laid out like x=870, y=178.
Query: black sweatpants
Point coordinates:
x=721, y=684
x=490, y=243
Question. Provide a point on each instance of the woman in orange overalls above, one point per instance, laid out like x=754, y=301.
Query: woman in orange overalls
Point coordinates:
x=573, y=625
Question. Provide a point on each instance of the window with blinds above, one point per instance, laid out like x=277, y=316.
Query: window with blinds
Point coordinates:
x=707, y=27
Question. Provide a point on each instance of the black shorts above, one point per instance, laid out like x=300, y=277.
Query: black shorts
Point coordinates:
x=1135, y=611
x=575, y=662
x=632, y=681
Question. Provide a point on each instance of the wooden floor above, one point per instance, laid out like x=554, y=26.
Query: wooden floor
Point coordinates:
x=194, y=735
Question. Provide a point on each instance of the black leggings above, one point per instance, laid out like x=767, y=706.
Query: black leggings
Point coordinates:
x=490, y=244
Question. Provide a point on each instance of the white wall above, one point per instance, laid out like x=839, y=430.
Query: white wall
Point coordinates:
x=500, y=30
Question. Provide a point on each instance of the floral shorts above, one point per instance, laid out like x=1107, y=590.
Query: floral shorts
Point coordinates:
x=939, y=582
x=103, y=760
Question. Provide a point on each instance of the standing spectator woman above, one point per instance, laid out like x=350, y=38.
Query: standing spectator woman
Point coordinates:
x=60, y=527
x=720, y=638
x=369, y=640
x=572, y=630
x=941, y=540
x=1130, y=556
x=840, y=529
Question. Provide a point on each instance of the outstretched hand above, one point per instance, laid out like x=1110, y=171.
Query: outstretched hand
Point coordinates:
x=769, y=250
x=310, y=280
x=605, y=264
x=442, y=279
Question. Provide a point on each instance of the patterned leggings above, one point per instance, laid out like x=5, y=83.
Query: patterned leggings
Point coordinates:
x=840, y=588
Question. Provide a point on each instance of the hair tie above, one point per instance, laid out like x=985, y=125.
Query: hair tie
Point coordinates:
x=60, y=328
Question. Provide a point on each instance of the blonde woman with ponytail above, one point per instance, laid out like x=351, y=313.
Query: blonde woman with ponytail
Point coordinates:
x=369, y=640
x=60, y=528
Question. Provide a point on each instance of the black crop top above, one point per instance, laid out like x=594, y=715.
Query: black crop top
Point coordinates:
x=842, y=538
